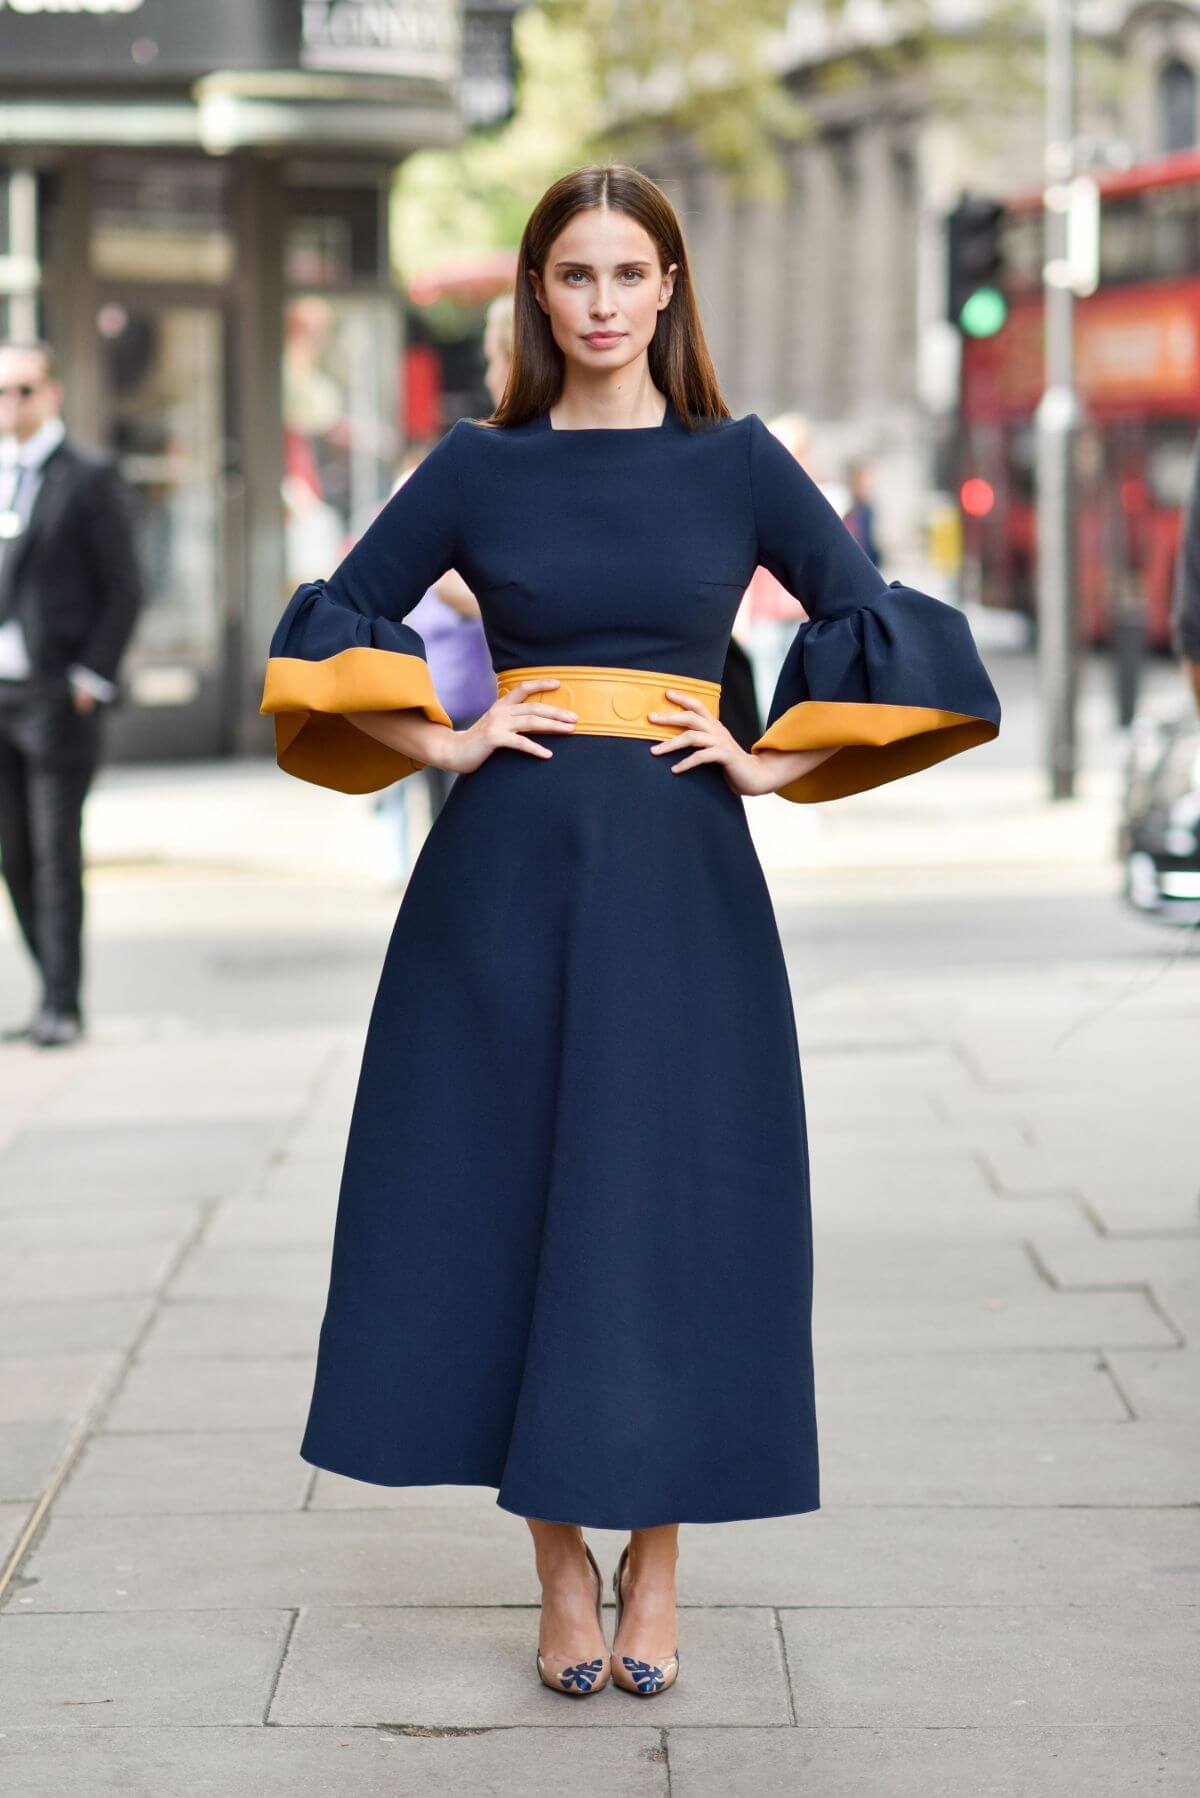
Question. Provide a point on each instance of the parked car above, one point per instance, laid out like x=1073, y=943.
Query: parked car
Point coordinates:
x=1159, y=833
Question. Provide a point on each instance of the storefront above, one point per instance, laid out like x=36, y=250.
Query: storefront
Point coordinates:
x=193, y=209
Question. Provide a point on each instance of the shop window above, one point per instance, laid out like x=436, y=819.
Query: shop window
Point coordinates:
x=341, y=385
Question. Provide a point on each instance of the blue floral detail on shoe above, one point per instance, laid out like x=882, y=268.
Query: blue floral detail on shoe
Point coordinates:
x=645, y=1677
x=582, y=1676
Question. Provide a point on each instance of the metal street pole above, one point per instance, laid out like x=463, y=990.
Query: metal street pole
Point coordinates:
x=1057, y=423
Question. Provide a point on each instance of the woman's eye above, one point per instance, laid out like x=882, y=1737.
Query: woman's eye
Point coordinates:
x=572, y=272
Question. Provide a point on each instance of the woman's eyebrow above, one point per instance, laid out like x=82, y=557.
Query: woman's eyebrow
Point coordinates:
x=630, y=262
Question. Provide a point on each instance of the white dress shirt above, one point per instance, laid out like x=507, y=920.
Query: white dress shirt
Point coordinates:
x=21, y=466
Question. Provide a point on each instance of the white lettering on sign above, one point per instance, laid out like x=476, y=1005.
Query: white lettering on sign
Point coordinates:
x=96, y=6
x=395, y=37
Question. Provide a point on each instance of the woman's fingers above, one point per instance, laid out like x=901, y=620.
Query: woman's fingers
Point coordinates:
x=694, y=761
x=681, y=741
x=526, y=710
x=534, y=684
x=516, y=741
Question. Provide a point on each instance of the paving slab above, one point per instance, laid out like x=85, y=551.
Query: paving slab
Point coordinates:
x=1161, y=1387
x=108, y=1218
x=213, y=1393
x=223, y=1079
x=869, y=1210
x=176, y=1162
x=39, y=1386
x=1170, y=1267
x=76, y=1326
x=957, y=1322
x=147, y=1668
x=871, y=1461
x=968, y=1387
x=941, y=1667
x=866, y=1555
x=54, y=1274
x=1005, y=1761
x=473, y=1666
x=268, y=1274
x=295, y=1220
x=216, y=1762
x=888, y=1556
x=213, y=1327
x=1111, y=1176
x=13, y=1518
x=170, y=1472
x=29, y=1453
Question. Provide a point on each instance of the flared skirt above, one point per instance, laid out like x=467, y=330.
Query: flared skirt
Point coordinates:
x=573, y=1250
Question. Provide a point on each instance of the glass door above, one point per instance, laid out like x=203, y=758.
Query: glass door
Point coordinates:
x=164, y=378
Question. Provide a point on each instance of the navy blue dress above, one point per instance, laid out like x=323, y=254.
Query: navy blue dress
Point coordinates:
x=573, y=1251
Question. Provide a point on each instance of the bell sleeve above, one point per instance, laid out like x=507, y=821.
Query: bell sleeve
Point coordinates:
x=888, y=674
x=341, y=645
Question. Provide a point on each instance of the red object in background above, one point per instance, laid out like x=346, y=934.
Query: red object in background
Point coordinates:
x=1137, y=353
x=422, y=394
x=976, y=498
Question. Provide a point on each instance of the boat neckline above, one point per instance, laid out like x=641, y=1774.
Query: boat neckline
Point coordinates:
x=608, y=430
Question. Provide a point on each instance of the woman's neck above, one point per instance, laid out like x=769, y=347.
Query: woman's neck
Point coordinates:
x=620, y=402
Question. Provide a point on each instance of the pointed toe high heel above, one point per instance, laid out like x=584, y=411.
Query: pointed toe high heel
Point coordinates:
x=645, y=1678
x=584, y=1677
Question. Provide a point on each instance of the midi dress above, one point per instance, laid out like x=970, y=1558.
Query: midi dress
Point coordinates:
x=572, y=1257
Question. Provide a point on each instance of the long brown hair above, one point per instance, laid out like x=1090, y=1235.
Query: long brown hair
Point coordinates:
x=680, y=365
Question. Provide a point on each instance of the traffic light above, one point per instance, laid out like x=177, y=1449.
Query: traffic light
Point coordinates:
x=975, y=266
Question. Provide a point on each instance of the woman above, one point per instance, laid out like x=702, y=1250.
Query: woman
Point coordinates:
x=580, y=1272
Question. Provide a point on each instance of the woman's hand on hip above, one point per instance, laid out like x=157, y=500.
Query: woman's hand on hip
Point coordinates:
x=711, y=741
x=503, y=724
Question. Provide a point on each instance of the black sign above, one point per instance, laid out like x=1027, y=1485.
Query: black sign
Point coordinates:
x=143, y=42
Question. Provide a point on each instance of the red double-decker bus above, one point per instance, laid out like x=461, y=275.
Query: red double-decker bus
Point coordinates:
x=1137, y=347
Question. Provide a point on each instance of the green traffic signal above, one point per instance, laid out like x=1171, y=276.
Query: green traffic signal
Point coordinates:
x=983, y=312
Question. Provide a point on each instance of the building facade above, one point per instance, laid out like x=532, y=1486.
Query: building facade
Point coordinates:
x=194, y=210
x=831, y=300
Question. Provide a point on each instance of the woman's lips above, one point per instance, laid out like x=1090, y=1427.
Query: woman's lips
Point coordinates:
x=603, y=338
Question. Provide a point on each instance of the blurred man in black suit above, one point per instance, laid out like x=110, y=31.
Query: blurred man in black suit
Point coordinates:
x=69, y=596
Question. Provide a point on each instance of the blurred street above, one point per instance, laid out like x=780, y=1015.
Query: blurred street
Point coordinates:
x=998, y=1595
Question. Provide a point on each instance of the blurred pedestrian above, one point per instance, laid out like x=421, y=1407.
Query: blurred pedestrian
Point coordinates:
x=1185, y=618
x=70, y=591
x=860, y=518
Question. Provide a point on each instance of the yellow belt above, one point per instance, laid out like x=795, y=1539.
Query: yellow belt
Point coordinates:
x=613, y=702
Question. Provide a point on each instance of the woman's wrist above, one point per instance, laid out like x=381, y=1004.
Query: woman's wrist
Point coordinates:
x=783, y=766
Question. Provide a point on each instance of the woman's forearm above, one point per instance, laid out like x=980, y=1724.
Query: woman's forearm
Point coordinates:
x=411, y=733
x=787, y=765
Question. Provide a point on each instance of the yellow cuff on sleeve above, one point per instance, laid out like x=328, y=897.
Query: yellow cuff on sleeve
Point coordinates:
x=313, y=739
x=875, y=743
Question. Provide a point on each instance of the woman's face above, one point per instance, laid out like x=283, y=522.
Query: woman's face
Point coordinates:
x=603, y=290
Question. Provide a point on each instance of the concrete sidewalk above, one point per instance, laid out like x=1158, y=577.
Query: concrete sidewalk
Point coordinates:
x=998, y=1597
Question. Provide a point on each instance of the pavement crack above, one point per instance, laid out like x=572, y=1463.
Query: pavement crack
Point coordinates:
x=432, y=1729
x=287, y=1643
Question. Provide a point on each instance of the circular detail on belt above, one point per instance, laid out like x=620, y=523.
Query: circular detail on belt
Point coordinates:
x=629, y=702
x=560, y=695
